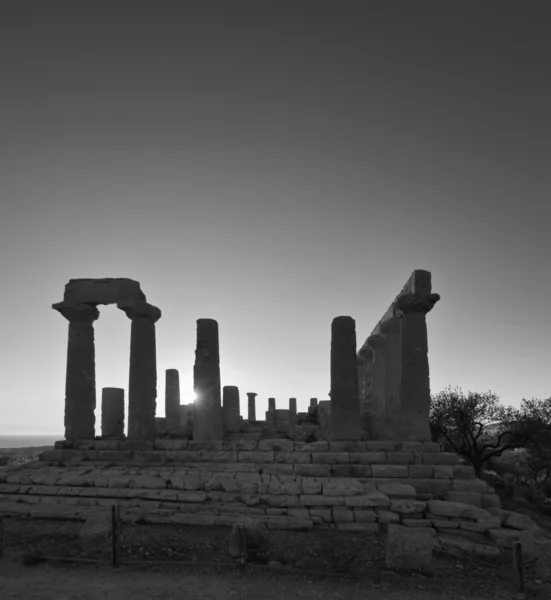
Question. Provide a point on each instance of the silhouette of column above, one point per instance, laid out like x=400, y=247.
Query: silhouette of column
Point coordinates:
x=207, y=413
x=252, y=406
x=112, y=412
x=345, y=400
x=313, y=403
x=292, y=410
x=271, y=404
x=142, y=388
x=172, y=399
x=392, y=409
x=230, y=408
x=365, y=385
x=415, y=378
x=80, y=379
x=376, y=343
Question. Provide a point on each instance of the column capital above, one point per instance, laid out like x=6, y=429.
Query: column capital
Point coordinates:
x=78, y=312
x=252, y=394
x=375, y=341
x=137, y=309
x=415, y=303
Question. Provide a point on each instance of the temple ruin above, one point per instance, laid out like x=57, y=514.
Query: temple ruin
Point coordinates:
x=360, y=458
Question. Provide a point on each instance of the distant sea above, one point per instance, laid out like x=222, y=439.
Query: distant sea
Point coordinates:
x=27, y=441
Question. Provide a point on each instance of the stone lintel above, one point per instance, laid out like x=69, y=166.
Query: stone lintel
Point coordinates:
x=140, y=310
x=77, y=311
x=108, y=290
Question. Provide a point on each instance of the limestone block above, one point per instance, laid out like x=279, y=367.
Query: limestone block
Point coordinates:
x=418, y=523
x=312, y=485
x=331, y=458
x=400, y=458
x=455, y=545
x=430, y=447
x=368, y=457
x=488, y=521
x=320, y=500
x=503, y=537
x=316, y=447
x=312, y=470
x=279, y=445
x=443, y=471
x=282, y=500
x=473, y=498
x=342, y=487
x=301, y=513
x=491, y=501
x=374, y=499
x=439, y=524
x=278, y=469
x=407, y=507
x=234, y=445
x=454, y=509
x=533, y=543
x=389, y=470
x=255, y=456
x=347, y=446
x=519, y=521
x=472, y=485
x=371, y=528
x=351, y=471
x=397, y=490
x=381, y=446
x=408, y=548
x=421, y=471
x=386, y=516
x=293, y=457
x=323, y=513
x=440, y=458
x=367, y=515
x=342, y=515
x=463, y=472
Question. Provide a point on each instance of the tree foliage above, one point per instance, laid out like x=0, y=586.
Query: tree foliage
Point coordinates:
x=476, y=426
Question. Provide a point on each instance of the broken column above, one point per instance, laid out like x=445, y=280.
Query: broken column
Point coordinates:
x=271, y=404
x=142, y=389
x=345, y=400
x=366, y=401
x=80, y=380
x=293, y=409
x=172, y=399
x=415, y=379
x=230, y=409
x=313, y=403
x=252, y=406
x=207, y=413
x=112, y=412
x=281, y=420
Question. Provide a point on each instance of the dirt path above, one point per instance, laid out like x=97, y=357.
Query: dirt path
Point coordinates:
x=62, y=581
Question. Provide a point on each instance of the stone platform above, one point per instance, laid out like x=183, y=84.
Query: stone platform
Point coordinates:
x=274, y=484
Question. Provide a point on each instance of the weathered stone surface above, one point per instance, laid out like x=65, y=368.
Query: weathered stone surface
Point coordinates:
x=331, y=458
x=142, y=389
x=440, y=458
x=207, y=413
x=386, y=516
x=491, y=501
x=408, y=548
x=443, y=471
x=406, y=507
x=372, y=499
x=473, y=498
x=421, y=471
x=463, y=472
x=389, y=470
x=503, y=537
x=279, y=445
x=317, y=500
x=345, y=401
x=519, y=521
x=471, y=485
x=454, y=509
x=342, y=487
x=455, y=544
x=397, y=490
x=324, y=415
x=251, y=396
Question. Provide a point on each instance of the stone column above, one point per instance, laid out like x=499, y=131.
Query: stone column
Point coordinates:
x=281, y=420
x=252, y=406
x=207, y=413
x=366, y=401
x=313, y=403
x=392, y=409
x=377, y=429
x=415, y=380
x=142, y=389
x=112, y=412
x=80, y=379
x=292, y=410
x=271, y=404
x=172, y=399
x=230, y=408
x=345, y=400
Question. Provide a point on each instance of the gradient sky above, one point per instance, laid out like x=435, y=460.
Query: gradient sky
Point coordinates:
x=273, y=165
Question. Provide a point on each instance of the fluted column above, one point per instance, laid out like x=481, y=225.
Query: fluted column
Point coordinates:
x=230, y=408
x=292, y=410
x=207, y=408
x=142, y=388
x=377, y=429
x=392, y=409
x=415, y=378
x=252, y=406
x=172, y=399
x=80, y=379
x=345, y=400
